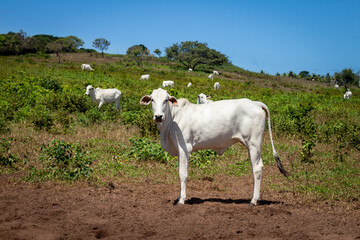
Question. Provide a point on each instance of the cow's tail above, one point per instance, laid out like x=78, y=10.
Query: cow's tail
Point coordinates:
x=276, y=156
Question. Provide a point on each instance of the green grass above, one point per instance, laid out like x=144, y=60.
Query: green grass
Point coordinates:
x=42, y=100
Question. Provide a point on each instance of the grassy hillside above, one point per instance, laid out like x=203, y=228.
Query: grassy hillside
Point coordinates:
x=50, y=130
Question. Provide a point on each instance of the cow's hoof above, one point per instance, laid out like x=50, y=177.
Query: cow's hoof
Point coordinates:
x=179, y=202
x=252, y=205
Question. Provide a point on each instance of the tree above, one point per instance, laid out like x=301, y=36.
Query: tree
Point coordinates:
x=138, y=53
x=101, y=44
x=291, y=74
x=346, y=77
x=72, y=43
x=193, y=53
x=157, y=52
x=304, y=74
x=56, y=47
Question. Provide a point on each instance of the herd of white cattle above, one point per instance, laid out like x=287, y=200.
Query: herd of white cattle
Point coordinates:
x=186, y=127
x=101, y=96
x=113, y=95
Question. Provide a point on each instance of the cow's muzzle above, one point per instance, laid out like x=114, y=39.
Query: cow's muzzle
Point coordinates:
x=158, y=118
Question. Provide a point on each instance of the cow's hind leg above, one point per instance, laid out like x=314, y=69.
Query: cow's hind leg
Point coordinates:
x=117, y=105
x=257, y=166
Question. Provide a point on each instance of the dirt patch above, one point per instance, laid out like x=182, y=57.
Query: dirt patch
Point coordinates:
x=145, y=210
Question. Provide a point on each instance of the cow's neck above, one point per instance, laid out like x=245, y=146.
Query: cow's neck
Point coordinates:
x=166, y=134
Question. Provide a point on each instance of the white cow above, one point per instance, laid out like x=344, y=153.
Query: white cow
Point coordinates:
x=348, y=94
x=216, y=86
x=203, y=99
x=190, y=69
x=101, y=96
x=185, y=128
x=189, y=84
x=86, y=67
x=215, y=72
x=145, y=77
x=211, y=76
x=168, y=84
x=336, y=86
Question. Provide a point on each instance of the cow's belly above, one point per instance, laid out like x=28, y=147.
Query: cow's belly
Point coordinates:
x=219, y=144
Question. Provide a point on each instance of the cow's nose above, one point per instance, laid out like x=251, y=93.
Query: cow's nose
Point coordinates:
x=158, y=118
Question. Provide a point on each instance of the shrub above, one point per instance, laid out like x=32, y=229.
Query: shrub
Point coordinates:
x=64, y=161
x=41, y=118
x=94, y=115
x=146, y=149
x=202, y=158
x=50, y=84
x=307, y=128
x=142, y=119
x=6, y=158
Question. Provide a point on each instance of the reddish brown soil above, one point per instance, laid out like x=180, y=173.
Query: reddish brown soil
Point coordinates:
x=145, y=210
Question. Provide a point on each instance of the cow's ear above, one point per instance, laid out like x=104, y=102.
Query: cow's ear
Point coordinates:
x=208, y=96
x=173, y=101
x=145, y=100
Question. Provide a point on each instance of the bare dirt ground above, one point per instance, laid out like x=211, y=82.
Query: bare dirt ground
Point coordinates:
x=215, y=209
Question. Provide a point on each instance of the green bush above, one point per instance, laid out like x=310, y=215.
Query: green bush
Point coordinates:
x=94, y=115
x=146, y=149
x=41, y=118
x=6, y=158
x=142, y=119
x=63, y=161
x=202, y=158
x=50, y=84
x=307, y=128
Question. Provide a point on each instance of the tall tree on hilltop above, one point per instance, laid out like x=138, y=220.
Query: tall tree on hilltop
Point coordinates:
x=101, y=44
x=193, y=53
x=138, y=53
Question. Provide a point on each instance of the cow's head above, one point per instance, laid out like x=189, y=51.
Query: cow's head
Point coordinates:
x=160, y=103
x=89, y=88
x=202, y=98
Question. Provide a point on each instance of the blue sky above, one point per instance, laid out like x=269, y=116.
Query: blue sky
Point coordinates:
x=319, y=36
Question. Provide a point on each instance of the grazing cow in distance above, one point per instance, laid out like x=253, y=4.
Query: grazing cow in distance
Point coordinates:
x=216, y=86
x=211, y=76
x=190, y=70
x=348, y=94
x=86, y=67
x=185, y=128
x=145, y=77
x=189, y=84
x=168, y=84
x=203, y=99
x=336, y=86
x=101, y=96
x=215, y=72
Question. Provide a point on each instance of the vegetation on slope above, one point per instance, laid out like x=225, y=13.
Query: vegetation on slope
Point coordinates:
x=44, y=115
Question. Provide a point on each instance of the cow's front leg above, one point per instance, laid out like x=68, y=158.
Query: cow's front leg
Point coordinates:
x=100, y=104
x=183, y=174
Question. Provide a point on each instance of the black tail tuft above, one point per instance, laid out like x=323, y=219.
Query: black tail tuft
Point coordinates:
x=280, y=166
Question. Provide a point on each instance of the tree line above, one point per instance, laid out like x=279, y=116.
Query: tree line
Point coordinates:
x=19, y=43
x=190, y=53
